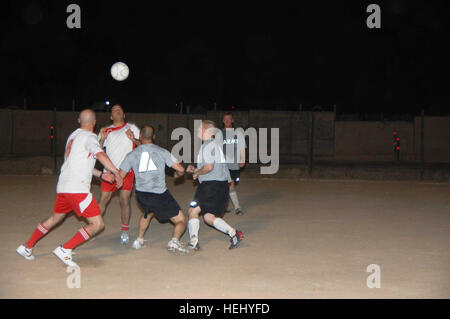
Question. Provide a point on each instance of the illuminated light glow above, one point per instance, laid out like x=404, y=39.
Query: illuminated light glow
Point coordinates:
x=398, y=147
x=395, y=133
x=51, y=137
x=107, y=102
x=238, y=179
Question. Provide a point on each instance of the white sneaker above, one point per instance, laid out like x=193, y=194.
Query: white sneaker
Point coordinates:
x=124, y=237
x=193, y=243
x=175, y=245
x=139, y=243
x=65, y=255
x=25, y=252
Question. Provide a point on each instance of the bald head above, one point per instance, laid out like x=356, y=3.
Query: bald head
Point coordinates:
x=147, y=134
x=87, y=118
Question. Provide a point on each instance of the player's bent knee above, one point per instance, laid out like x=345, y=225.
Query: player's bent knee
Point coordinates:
x=209, y=218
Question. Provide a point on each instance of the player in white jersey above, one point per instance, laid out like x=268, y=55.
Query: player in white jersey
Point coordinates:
x=73, y=189
x=119, y=139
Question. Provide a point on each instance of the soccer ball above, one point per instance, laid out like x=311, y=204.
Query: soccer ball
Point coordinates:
x=119, y=71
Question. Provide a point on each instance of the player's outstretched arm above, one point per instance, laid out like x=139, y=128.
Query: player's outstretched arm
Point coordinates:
x=179, y=170
x=104, y=159
x=103, y=136
x=130, y=135
x=107, y=176
x=204, y=170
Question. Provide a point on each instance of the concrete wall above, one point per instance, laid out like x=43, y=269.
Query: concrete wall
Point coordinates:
x=28, y=133
x=437, y=139
x=373, y=141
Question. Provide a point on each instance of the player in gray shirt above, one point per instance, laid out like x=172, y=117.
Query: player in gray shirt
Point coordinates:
x=234, y=150
x=148, y=161
x=211, y=196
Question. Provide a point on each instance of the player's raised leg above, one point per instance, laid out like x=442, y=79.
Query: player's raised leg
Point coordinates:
x=64, y=252
x=179, y=226
x=234, y=198
x=221, y=225
x=144, y=222
x=194, y=227
x=105, y=197
x=125, y=205
x=41, y=230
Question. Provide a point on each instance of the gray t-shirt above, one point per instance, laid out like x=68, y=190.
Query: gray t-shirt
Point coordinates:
x=233, y=144
x=211, y=153
x=148, y=162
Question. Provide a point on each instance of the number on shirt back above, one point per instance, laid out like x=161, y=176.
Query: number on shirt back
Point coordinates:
x=146, y=163
x=68, y=148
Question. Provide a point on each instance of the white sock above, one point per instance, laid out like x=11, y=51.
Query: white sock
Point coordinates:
x=193, y=226
x=221, y=225
x=234, y=199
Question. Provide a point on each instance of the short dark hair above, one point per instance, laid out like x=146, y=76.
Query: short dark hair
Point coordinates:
x=228, y=113
x=147, y=133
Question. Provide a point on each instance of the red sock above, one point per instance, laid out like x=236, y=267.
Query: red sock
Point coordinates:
x=80, y=237
x=38, y=233
x=125, y=227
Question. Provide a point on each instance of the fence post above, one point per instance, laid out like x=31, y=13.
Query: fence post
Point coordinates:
x=311, y=145
x=54, y=141
x=13, y=119
x=422, y=144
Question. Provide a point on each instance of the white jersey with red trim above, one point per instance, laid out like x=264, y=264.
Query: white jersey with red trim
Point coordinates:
x=79, y=162
x=117, y=143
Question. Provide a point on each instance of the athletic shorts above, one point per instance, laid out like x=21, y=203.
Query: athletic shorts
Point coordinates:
x=127, y=184
x=164, y=206
x=84, y=205
x=212, y=197
x=235, y=175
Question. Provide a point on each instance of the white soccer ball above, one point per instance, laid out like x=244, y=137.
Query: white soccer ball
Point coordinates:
x=119, y=71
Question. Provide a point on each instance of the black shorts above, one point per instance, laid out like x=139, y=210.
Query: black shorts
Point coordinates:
x=163, y=205
x=235, y=175
x=212, y=197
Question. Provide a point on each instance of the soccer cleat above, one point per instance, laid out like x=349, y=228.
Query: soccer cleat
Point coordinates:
x=238, y=211
x=65, y=255
x=235, y=241
x=193, y=244
x=175, y=245
x=25, y=252
x=139, y=243
x=124, y=237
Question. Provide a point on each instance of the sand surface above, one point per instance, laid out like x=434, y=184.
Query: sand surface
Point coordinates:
x=304, y=239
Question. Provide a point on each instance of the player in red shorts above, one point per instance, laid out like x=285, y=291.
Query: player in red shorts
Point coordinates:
x=73, y=189
x=119, y=139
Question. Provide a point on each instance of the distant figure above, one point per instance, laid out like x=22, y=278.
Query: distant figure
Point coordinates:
x=148, y=161
x=234, y=150
x=73, y=189
x=119, y=139
x=211, y=196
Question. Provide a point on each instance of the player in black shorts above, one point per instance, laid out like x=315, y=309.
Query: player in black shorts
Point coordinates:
x=234, y=150
x=211, y=196
x=148, y=162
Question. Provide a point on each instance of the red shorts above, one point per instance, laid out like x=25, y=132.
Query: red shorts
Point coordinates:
x=84, y=205
x=127, y=184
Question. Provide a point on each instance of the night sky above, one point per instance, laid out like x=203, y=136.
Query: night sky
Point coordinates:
x=257, y=55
